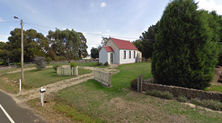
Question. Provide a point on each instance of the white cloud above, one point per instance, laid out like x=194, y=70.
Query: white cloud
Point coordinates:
x=11, y=27
x=84, y=33
x=67, y=28
x=1, y=20
x=3, y=38
x=92, y=4
x=33, y=11
x=103, y=4
x=107, y=30
x=6, y=36
x=210, y=5
x=99, y=32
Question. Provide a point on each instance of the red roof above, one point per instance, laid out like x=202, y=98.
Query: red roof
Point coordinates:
x=123, y=44
x=108, y=49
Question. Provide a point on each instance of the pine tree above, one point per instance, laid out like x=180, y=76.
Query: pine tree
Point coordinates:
x=185, y=53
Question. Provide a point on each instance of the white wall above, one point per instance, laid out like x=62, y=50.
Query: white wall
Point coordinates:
x=103, y=56
x=127, y=60
x=116, y=56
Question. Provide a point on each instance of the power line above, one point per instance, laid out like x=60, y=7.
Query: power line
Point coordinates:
x=31, y=24
x=36, y=28
x=39, y=25
x=9, y=21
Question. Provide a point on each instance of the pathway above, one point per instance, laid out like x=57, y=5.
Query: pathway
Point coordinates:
x=16, y=71
x=26, y=95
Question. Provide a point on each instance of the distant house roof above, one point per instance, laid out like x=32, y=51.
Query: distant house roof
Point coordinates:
x=108, y=49
x=123, y=44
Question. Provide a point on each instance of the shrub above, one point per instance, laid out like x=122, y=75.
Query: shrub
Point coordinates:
x=18, y=64
x=62, y=58
x=48, y=59
x=182, y=99
x=173, y=62
x=72, y=64
x=57, y=58
x=133, y=84
x=99, y=64
x=76, y=58
x=40, y=63
x=212, y=104
x=55, y=66
x=106, y=64
x=165, y=94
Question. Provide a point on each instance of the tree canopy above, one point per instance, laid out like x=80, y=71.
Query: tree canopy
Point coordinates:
x=65, y=42
x=147, y=40
x=94, y=52
x=82, y=50
x=185, y=50
x=35, y=44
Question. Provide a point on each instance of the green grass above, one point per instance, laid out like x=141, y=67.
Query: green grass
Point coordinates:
x=119, y=104
x=35, y=78
x=13, y=69
x=217, y=88
x=175, y=108
x=70, y=111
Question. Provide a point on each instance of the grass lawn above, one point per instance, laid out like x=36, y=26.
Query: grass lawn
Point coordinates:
x=13, y=69
x=119, y=104
x=88, y=64
x=33, y=79
x=217, y=88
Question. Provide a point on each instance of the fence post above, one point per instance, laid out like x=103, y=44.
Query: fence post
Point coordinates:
x=94, y=72
x=109, y=79
x=72, y=71
x=77, y=71
x=141, y=82
x=138, y=83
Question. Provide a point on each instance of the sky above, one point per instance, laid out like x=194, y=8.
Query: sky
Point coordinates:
x=123, y=19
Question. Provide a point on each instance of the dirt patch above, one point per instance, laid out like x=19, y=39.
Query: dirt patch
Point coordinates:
x=139, y=110
x=199, y=107
x=217, y=73
x=49, y=113
x=113, y=66
x=9, y=85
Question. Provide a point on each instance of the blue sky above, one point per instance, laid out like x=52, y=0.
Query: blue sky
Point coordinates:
x=125, y=19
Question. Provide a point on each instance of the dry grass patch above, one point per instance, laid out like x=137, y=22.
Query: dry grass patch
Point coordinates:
x=119, y=104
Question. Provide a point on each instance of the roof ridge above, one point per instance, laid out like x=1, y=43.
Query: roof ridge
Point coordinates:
x=123, y=44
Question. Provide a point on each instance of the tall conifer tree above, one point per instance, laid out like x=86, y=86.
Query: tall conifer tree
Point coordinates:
x=185, y=53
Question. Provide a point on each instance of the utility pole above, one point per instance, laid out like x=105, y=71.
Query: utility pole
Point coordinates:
x=22, y=54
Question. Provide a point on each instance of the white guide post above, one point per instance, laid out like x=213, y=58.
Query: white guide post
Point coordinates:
x=42, y=90
x=42, y=96
x=20, y=84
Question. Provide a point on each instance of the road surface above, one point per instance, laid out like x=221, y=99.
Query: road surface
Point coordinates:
x=15, y=113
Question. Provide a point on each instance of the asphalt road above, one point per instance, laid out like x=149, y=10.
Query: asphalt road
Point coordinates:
x=17, y=114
